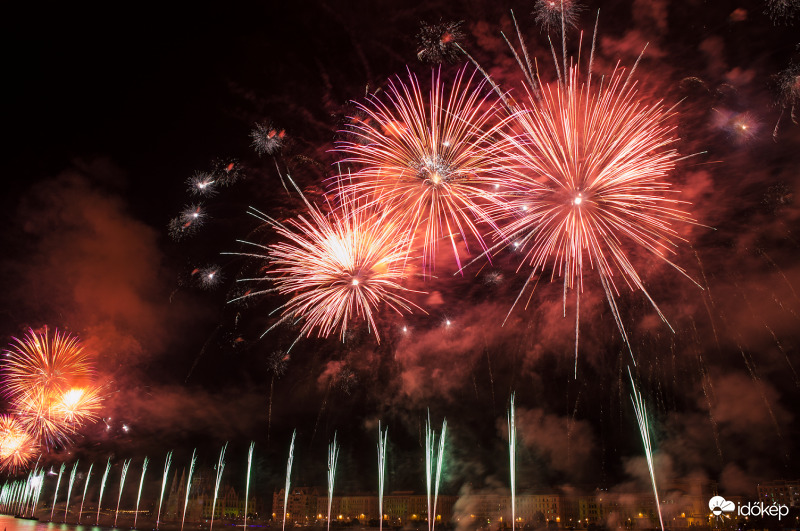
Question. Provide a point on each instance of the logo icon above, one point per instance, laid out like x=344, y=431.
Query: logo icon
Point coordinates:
x=719, y=505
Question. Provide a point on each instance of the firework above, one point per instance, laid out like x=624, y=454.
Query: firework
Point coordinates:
x=557, y=14
x=740, y=127
x=333, y=457
x=592, y=162
x=247, y=484
x=644, y=429
x=187, y=222
x=439, y=43
x=203, y=184
x=782, y=11
x=188, y=486
x=788, y=86
x=267, y=139
x=208, y=277
x=17, y=446
x=288, y=479
x=512, y=459
x=382, y=438
x=220, y=470
x=433, y=460
x=227, y=172
x=428, y=162
x=48, y=381
x=334, y=267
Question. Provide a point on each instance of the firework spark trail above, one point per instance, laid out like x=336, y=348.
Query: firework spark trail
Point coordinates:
x=333, y=457
x=591, y=163
x=430, y=462
x=102, y=489
x=139, y=494
x=288, y=478
x=247, y=484
x=163, y=486
x=334, y=267
x=382, y=439
x=188, y=486
x=644, y=428
x=218, y=480
x=55, y=494
x=125, y=466
x=69, y=488
x=429, y=162
x=512, y=459
x=85, y=486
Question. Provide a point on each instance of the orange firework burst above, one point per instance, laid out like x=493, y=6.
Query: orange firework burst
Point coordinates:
x=335, y=267
x=428, y=162
x=593, y=161
x=17, y=446
x=49, y=383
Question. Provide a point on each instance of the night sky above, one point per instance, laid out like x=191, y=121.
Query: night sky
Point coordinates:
x=110, y=111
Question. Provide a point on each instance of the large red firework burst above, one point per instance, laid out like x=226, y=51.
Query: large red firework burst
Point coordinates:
x=335, y=267
x=593, y=162
x=427, y=161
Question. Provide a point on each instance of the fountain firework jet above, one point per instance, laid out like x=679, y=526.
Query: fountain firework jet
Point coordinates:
x=247, y=484
x=333, y=457
x=85, y=486
x=592, y=162
x=220, y=469
x=512, y=459
x=188, y=486
x=102, y=489
x=125, y=466
x=644, y=428
x=288, y=478
x=382, y=437
x=430, y=448
x=69, y=488
x=55, y=494
x=139, y=495
x=163, y=485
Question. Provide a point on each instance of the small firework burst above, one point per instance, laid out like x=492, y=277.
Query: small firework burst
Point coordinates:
x=187, y=222
x=17, y=446
x=227, y=172
x=741, y=127
x=278, y=362
x=202, y=183
x=550, y=13
x=208, y=277
x=777, y=197
x=267, y=139
x=493, y=278
x=782, y=11
x=346, y=380
x=439, y=43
